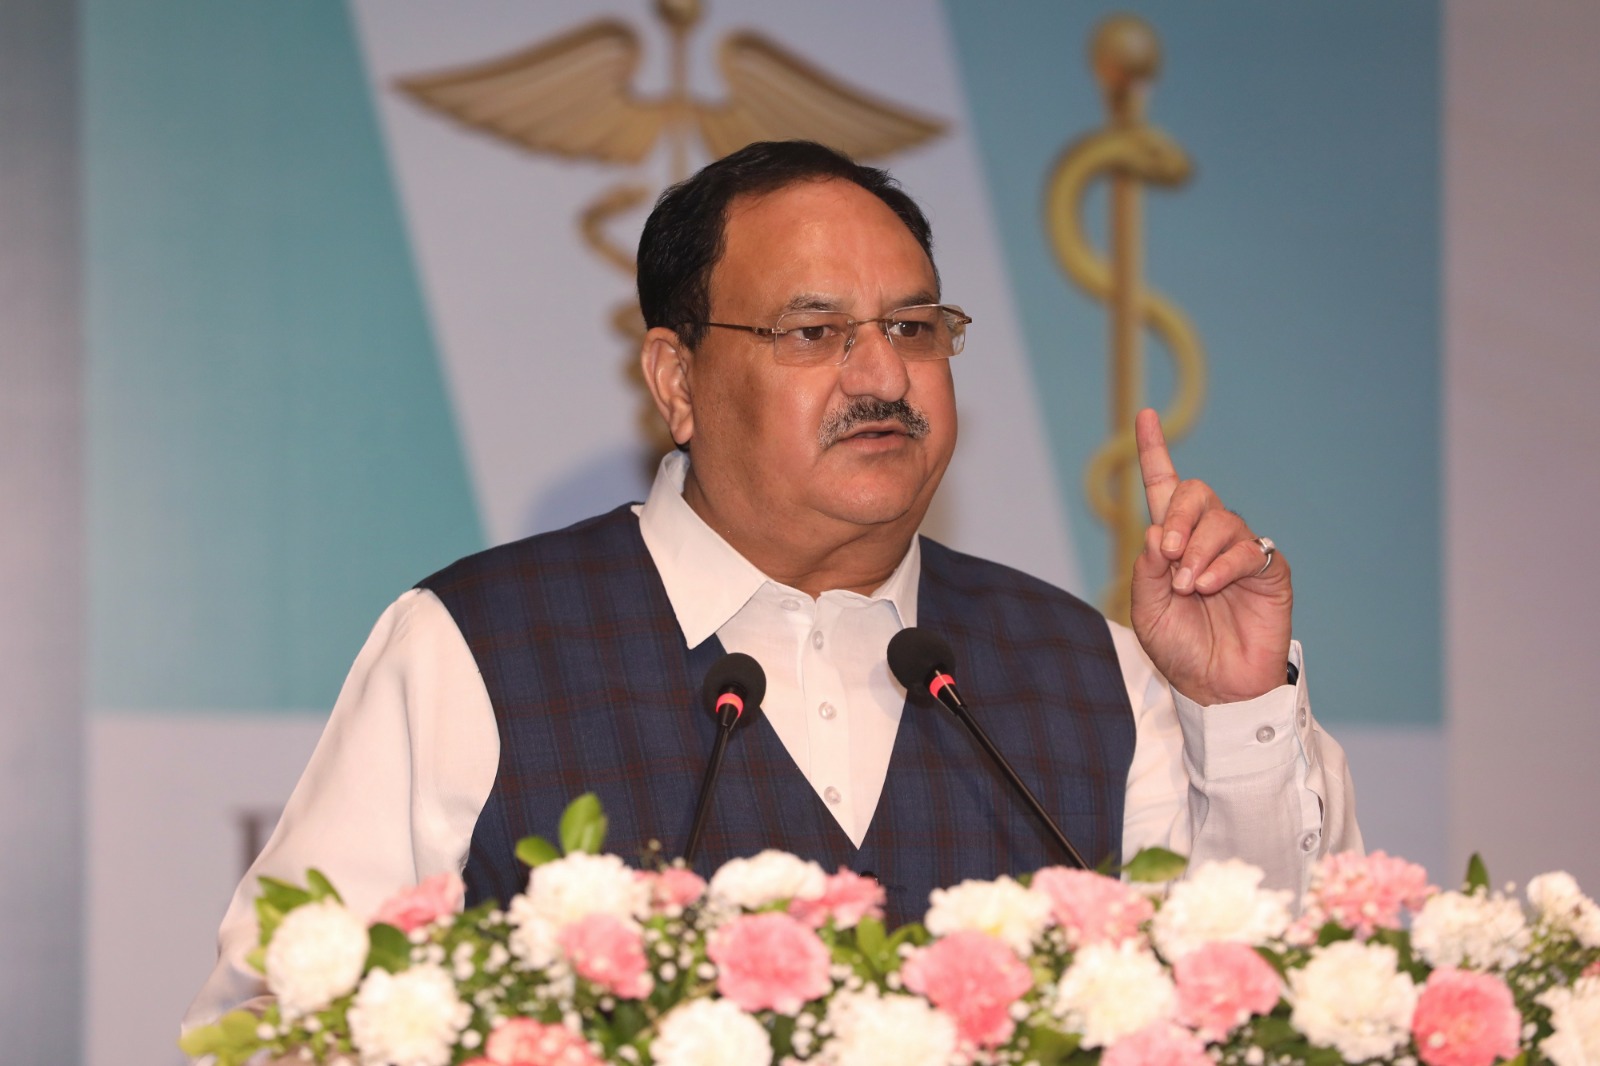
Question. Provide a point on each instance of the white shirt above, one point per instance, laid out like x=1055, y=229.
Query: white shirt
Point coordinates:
x=410, y=753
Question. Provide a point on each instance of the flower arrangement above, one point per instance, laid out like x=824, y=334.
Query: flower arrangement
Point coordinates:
x=777, y=961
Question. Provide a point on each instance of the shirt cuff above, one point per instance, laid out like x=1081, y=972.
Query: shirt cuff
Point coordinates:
x=1232, y=739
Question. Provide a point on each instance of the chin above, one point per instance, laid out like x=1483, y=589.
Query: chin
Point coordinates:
x=868, y=508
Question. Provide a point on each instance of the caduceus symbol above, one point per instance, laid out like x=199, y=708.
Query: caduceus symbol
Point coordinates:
x=1130, y=153
x=573, y=97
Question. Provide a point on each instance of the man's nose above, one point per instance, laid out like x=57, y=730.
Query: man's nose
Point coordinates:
x=872, y=367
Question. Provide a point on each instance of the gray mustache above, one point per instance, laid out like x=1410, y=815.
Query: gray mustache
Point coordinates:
x=864, y=410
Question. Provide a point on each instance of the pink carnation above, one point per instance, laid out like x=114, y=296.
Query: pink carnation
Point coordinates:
x=1591, y=970
x=1465, y=1019
x=847, y=897
x=974, y=978
x=1160, y=1044
x=676, y=886
x=1091, y=908
x=1365, y=893
x=769, y=961
x=413, y=908
x=610, y=952
x=1221, y=985
x=525, y=1042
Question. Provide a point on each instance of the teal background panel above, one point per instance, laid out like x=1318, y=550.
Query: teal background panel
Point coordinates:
x=1307, y=251
x=272, y=455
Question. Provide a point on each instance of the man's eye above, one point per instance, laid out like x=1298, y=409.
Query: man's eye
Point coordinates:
x=814, y=334
x=909, y=330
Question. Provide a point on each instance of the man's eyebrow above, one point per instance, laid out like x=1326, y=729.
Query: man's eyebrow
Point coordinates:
x=809, y=301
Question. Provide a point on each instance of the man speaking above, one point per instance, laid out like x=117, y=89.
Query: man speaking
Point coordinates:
x=799, y=351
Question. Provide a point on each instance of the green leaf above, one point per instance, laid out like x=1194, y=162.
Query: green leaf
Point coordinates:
x=583, y=825
x=1477, y=873
x=1332, y=933
x=536, y=851
x=628, y=1019
x=321, y=887
x=277, y=899
x=232, y=1039
x=871, y=940
x=913, y=933
x=1269, y=1032
x=1153, y=865
x=1323, y=1056
x=389, y=950
x=1049, y=1047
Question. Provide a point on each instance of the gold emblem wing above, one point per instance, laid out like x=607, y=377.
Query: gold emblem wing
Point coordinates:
x=774, y=95
x=569, y=96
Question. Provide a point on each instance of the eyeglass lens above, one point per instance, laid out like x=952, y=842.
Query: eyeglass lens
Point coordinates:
x=924, y=332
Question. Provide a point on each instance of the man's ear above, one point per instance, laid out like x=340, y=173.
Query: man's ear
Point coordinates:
x=666, y=364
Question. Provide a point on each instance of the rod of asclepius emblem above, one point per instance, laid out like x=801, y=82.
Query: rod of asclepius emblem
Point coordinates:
x=1129, y=154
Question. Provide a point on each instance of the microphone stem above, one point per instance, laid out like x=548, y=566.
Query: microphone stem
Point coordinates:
x=961, y=712
x=725, y=722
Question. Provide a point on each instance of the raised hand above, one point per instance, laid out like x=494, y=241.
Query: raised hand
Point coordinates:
x=1211, y=606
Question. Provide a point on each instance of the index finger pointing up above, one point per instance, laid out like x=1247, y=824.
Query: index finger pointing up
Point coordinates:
x=1155, y=465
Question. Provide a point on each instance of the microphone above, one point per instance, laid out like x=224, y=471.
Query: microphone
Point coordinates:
x=734, y=682
x=922, y=660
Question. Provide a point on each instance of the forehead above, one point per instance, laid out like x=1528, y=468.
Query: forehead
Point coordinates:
x=829, y=242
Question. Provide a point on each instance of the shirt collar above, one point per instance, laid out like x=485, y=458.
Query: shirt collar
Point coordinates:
x=708, y=582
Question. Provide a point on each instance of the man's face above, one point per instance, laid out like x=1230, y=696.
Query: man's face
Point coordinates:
x=763, y=440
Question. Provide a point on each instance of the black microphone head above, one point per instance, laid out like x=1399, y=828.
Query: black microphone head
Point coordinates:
x=736, y=672
x=916, y=655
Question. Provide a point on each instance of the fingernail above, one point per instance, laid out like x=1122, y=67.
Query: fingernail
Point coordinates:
x=1205, y=580
x=1183, y=579
x=1171, y=541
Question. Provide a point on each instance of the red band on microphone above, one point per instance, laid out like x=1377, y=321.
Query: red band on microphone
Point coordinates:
x=939, y=681
x=730, y=699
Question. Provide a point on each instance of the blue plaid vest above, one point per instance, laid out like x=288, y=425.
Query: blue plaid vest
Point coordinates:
x=594, y=690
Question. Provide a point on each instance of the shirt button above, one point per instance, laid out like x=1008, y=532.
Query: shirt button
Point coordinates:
x=790, y=604
x=816, y=639
x=1304, y=718
x=1308, y=842
x=831, y=794
x=827, y=710
x=1265, y=734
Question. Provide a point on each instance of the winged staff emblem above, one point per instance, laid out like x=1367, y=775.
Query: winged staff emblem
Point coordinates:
x=573, y=97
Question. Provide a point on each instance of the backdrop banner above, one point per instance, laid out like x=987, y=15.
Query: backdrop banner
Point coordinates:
x=337, y=326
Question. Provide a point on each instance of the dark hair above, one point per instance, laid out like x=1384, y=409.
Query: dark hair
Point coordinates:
x=683, y=237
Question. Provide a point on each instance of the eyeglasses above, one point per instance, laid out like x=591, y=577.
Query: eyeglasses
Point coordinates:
x=824, y=338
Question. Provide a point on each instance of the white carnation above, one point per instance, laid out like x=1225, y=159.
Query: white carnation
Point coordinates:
x=1478, y=931
x=1352, y=997
x=316, y=956
x=411, y=1018
x=565, y=890
x=1562, y=906
x=1001, y=908
x=710, y=1032
x=765, y=879
x=1111, y=990
x=1575, y=1021
x=869, y=1029
x=1220, y=901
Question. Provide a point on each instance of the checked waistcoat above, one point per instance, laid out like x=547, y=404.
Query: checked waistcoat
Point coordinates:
x=594, y=691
